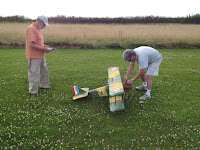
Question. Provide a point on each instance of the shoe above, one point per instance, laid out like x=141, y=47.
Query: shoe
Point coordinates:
x=36, y=94
x=48, y=87
x=141, y=88
x=145, y=97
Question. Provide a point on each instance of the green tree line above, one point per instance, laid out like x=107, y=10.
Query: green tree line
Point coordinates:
x=190, y=19
x=14, y=19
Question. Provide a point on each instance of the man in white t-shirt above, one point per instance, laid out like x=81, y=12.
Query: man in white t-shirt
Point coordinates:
x=149, y=60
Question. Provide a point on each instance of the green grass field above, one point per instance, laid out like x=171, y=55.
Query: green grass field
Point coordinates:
x=170, y=120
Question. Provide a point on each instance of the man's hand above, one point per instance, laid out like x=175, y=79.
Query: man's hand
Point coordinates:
x=46, y=50
x=126, y=79
x=47, y=46
x=130, y=82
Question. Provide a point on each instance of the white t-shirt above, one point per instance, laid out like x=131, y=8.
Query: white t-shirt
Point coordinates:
x=146, y=55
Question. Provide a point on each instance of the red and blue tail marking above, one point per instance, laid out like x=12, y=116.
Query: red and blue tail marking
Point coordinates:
x=75, y=90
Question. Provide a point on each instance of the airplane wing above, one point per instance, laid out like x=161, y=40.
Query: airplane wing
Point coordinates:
x=114, y=81
x=116, y=103
x=115, y=89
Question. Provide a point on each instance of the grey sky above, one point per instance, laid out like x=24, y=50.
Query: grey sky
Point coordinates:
x=100, y=8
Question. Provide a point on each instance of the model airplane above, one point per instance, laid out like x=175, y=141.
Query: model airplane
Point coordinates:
x=114, y=90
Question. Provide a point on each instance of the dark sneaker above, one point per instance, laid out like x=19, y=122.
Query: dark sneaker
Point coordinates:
x=145, y=97
x=141, y=88
x=36, y=94
x=48, y=87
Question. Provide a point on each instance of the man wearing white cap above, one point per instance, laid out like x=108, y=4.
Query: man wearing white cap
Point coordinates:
x=35, y=48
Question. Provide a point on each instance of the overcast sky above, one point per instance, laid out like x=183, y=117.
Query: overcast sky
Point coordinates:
x=100, y=8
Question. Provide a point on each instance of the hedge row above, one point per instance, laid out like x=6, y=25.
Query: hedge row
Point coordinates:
x=194, y=19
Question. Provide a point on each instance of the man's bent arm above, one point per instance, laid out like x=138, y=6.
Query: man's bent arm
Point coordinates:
x=130, y=69
x=139, y=74
x=35, y=46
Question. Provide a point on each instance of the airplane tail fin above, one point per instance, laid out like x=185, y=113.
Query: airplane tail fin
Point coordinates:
x=75, y=90
x=79, y=92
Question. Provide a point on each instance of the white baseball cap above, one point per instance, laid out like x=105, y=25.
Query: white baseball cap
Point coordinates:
x=44, y=19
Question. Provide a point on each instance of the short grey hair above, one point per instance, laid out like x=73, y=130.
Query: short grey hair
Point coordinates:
x=128, y=54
